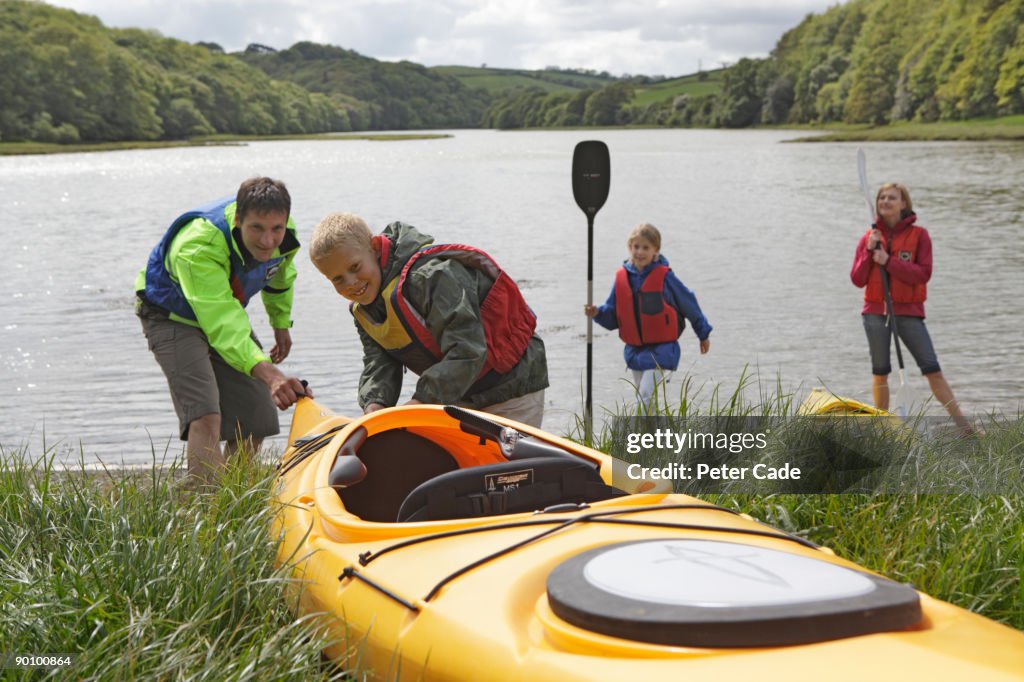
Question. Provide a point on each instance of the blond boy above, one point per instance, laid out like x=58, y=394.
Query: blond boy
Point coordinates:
x=446, y=312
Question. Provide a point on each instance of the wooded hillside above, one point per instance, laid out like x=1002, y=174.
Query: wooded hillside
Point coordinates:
x=64, y=77
x=380, y=95
x=865, y=61
x=878, y=61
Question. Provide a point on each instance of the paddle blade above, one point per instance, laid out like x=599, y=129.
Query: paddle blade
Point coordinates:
x=591, y=175
x=903, y=400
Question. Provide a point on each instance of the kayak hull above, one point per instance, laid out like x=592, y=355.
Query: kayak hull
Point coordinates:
x=418, y=601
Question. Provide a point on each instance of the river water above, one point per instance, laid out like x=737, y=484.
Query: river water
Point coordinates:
x=762, y=230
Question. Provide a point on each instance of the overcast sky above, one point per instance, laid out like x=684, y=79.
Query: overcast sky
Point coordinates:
x=652, y=37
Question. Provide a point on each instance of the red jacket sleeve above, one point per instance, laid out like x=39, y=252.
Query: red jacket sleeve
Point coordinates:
x=862, y=263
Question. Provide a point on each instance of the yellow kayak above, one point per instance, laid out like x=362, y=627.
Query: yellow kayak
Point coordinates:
x=446, y=544
x=823, y=402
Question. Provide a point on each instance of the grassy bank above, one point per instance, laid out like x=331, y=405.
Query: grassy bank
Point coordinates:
x=139, y=580
x=24, y=148
x=976, y=130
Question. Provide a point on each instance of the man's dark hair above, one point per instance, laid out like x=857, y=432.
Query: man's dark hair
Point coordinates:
x=262, y=195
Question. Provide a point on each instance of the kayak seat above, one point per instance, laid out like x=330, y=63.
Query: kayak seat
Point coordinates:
x=396, y=462
x=511, y=487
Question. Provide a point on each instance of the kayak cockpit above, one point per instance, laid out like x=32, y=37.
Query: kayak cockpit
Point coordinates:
x=512, y=487
x=428, y=463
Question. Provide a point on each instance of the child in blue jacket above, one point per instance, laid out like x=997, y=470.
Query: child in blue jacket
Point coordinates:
x=648, y=305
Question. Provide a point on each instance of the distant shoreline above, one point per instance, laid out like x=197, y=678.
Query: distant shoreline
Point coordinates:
x=29, y=148
x=1008, y=128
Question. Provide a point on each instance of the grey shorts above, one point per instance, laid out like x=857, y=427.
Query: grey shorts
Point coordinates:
x=912, y=333
x=202, y=383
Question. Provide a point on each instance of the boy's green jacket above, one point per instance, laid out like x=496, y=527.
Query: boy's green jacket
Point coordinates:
x=447, y=294
x=199, y=262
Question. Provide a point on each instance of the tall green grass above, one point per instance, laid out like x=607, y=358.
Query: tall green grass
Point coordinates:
x=142, y=580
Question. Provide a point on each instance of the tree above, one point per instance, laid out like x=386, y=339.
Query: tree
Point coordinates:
x=778, y=100
x=739, y=103
x=1010, y=85
x=602, y=107
x=971, y=90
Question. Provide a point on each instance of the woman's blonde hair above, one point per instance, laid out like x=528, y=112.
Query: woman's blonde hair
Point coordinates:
x=904, y=192
x=339, y=230
x=647, y=232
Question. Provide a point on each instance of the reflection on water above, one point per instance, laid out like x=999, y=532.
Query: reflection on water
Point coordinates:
x=763, y=231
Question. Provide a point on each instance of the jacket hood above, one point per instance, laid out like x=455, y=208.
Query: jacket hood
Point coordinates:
x=405, y=241
x=631, y=269
x=905, y=222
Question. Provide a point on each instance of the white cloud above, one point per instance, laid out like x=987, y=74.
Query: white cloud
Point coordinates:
x=667, y=37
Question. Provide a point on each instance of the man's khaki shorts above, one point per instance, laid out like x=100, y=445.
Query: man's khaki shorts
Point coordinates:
x=528, y=409
x=202, y=383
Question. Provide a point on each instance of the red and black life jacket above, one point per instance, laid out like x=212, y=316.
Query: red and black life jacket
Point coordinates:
x=507, y=320
x=904, y=247
x=645, y=316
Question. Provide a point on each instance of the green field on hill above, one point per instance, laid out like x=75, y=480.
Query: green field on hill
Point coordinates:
x=495, y=80
x=691, y=85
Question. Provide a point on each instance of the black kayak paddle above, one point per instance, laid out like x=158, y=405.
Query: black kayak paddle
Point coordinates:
x=591, y=180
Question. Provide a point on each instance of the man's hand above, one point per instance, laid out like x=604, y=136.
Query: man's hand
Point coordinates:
x=285, y=390
x=880, y=257
x=282, y=345
x=372, y=407
x=705, y=346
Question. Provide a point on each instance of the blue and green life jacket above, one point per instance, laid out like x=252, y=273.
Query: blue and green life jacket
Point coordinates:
x=246, y=279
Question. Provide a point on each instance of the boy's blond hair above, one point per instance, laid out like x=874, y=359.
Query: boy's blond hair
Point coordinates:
x=339, y=230
x=647, y=232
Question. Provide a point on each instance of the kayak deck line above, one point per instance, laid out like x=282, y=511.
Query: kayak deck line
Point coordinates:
x=306, y=447
x=366, y=557
x=595, y=517
x=633, y=522
x=351, y=572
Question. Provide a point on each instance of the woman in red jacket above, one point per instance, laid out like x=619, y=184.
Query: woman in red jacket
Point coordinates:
x=904, y=249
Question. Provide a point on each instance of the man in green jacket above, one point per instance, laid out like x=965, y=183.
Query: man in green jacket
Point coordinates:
x=447, y=312
x=192, y=297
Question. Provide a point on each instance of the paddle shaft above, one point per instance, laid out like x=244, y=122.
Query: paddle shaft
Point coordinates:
x=892, y=316
x=588, y=409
